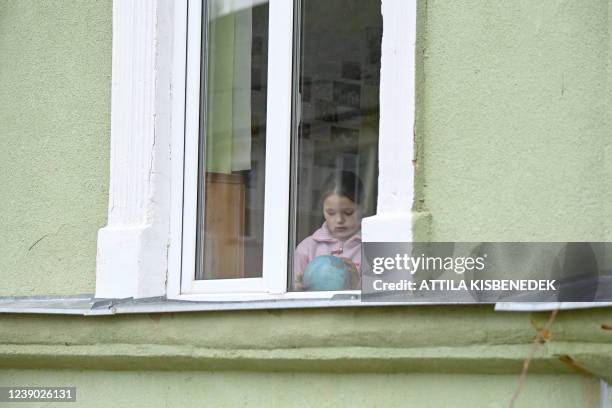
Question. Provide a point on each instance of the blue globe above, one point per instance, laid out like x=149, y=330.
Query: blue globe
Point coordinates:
x=326, y=272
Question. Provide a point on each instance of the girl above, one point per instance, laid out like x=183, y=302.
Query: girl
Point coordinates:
x=340, y=234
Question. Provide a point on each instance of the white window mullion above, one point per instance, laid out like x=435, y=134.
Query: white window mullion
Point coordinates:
x=192, y=124
x=278, y=145
x=195, y=59
x=278, y=139
x=175, y=251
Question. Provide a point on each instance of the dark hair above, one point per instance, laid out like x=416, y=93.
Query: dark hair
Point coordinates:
x=345, y=184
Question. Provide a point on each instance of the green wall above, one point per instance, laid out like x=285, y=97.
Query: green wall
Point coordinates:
x=511, y=135
x=512, y=120
x=55, y=77
x=430, y=356
x=249, y=389
x=511, y=145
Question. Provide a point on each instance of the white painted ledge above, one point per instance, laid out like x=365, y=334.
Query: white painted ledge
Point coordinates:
x=393, y=221
x=131, y=262
x=387, y=227
x=132, y=253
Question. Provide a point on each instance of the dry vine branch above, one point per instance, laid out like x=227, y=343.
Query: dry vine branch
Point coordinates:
x=542, y=335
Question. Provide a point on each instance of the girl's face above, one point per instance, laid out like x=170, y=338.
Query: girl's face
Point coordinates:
x=342, y=215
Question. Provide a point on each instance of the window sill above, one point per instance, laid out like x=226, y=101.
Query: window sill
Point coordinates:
x=438, y=338
x=88, y=305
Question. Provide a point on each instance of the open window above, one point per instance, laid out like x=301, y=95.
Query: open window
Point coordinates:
x=282, y=118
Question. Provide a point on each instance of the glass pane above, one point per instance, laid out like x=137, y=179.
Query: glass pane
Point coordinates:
x=336, y=146
x=231, y=181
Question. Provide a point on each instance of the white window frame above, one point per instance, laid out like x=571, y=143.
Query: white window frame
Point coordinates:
x=276, y=214
x=148, y=247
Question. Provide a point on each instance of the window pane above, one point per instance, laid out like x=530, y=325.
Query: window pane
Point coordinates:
x=231, y=182
x=336, y=146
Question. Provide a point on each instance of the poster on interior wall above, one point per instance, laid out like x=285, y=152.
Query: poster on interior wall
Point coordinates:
x=373, y=44
x=304, y=131
x=351, y=70
x=344, y=139
x=256, y=79
x=347, y=94
x=306, y=90
x=326, y=157
x=321, y=89
x=257, y=45
x=371, y=56
x=320, y=131
x=325, y=110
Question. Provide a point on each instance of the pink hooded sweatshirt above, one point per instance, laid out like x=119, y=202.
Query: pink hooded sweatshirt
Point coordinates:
x=322, y=242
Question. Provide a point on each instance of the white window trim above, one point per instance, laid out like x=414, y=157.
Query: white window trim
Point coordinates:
x=140, y=250
x=393, y=219
x=278, y=151
x=132, y=253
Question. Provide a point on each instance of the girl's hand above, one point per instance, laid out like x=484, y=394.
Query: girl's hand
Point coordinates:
x=354, y=278
x=298, y=285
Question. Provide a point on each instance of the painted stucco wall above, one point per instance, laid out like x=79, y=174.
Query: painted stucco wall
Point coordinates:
x=512, y=120
x=511, y=138
x=248, y=389
x=55, y=69
x=435, y=356
x=511, y=129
